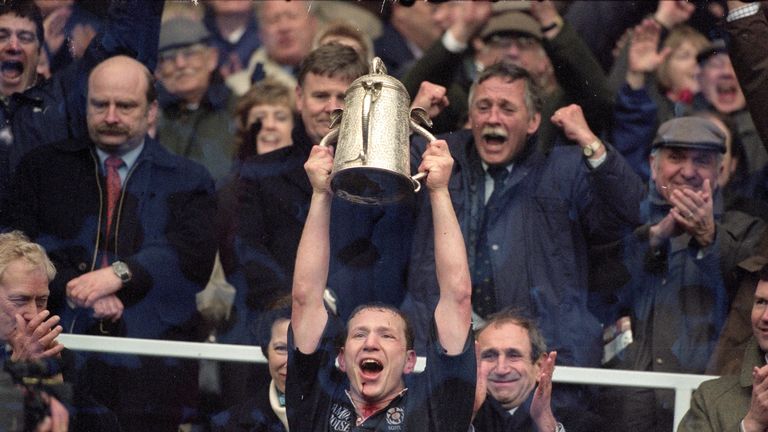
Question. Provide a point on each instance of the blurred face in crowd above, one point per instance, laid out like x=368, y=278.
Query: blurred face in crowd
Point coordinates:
x=19, y=52
x=118, y=113
x=729, y=161
x=316, y=99
x=48, y=6
x=276, y=125
x=277, y=353
x=760, y=315
x=375, y=355
x=23, y=291
x=186, y=72
x=505, y=363
x=683, y=168
x=719, y=84
x=286, y=30
x=82, y=35
x=681, y=69
x=230, y=7
x=500, y=120
x=524, y=51
x=443, y=14
x=346, y=41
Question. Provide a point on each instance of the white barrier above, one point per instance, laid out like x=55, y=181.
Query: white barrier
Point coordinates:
x=682, y=384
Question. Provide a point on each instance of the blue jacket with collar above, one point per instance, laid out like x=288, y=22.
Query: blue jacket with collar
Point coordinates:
x=162, y=228
x=556, y=208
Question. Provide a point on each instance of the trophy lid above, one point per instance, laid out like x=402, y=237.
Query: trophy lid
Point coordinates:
x=378, y=73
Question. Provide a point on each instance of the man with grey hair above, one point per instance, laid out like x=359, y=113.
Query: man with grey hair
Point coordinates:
x=675, y=267
x=529, y=218
x=286, y=30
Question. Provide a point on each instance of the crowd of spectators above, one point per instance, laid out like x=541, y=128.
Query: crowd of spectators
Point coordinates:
x=609, y=179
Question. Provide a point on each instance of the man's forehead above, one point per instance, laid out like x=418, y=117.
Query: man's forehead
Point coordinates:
x=12, y=21
x=376, y=318
x=504, y=336
x=23, y=278
x=271, y=9
x=330, y=82
x=690, y=152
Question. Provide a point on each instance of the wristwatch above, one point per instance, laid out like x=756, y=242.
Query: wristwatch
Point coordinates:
x=122, y=271
x=590, y=149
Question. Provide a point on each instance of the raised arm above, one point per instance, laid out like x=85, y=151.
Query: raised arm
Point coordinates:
x=454, y=309
x=308, y=314
x=748, y=47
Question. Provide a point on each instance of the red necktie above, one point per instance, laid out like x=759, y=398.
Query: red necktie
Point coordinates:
x=113, y=192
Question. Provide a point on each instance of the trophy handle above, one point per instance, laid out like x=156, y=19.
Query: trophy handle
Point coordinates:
x=333, y=134
x=419, y=115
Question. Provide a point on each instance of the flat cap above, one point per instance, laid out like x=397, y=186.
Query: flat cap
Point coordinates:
x=717, y=46
x=179, y=32
x=690, y=132
x=512, y=22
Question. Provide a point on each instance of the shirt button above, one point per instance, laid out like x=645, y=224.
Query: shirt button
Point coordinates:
x=495, y=247
x=82, y=266
x=664, y=281
x=659, y=360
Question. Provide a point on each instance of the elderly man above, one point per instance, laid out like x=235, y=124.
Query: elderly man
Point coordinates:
x=129, y=226
x=374, y=388
x=676, y=264
x=286, y=30
x=737, y=402
x=25, y=323
x=539, y=41
x=196, y=107
x=528, y=217
x=36, y=112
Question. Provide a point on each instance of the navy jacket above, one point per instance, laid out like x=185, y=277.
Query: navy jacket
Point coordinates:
x=54, y=110
x=163, y=230
x=556, y=208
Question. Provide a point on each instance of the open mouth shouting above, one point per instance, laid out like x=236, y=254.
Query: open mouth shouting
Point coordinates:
x=11, y=69
x=371, y=368
x=494, y=135
x=727, y=91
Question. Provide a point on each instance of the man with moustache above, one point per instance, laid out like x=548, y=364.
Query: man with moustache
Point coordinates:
x=35, y=112
x=528, y=217
x=374, y=388
x=129, y=227
x=527, y=232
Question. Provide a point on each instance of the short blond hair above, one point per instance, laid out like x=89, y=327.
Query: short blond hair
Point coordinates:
x=15, y=245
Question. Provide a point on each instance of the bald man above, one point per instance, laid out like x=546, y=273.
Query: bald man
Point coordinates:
x=127, y=225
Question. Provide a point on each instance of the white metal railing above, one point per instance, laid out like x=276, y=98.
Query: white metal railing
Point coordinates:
x=682, y=384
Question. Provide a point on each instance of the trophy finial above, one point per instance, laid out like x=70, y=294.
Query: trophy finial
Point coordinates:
x=377, y=66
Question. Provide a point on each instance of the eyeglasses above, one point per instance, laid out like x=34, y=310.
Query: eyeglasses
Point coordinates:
x=187, y=53
x=506, y=42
